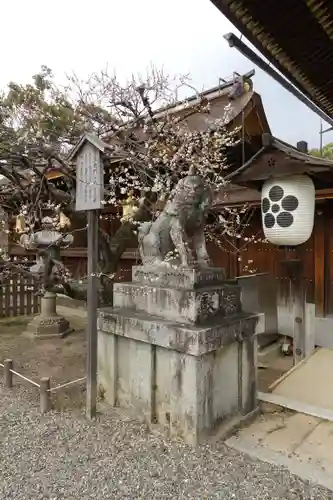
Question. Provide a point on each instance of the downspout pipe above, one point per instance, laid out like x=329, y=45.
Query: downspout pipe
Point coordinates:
x=234, y=41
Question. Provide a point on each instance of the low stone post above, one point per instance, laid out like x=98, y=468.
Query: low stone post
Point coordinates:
x=45, y=395
x=8, y=375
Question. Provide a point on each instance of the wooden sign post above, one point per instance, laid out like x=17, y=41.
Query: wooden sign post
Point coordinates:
x=89, y=197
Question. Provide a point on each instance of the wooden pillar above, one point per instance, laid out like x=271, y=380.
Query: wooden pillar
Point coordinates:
x=319, y=265
x=329, y=262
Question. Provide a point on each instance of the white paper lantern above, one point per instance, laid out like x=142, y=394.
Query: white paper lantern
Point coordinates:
x=288, y=207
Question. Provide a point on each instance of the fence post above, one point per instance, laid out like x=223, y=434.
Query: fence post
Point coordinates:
x=8, y=376
x=45, y=394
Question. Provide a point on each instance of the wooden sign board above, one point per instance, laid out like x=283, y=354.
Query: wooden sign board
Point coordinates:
x=89, y=197
x=89, y=178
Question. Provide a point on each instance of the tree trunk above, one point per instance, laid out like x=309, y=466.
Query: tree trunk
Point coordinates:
x=111, y=250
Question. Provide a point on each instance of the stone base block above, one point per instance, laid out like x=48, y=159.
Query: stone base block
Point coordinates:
x=178, y=277
x=196, y=306
x=46, y=327
x=191, y=339
x=188, y=379
x=48, y=323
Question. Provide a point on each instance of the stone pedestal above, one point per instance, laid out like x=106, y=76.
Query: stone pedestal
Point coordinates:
x=182, y=355
x=48, y=323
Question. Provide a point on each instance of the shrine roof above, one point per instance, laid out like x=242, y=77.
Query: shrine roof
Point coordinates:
x=276, y=158
x=222, y=106
x=295, y=36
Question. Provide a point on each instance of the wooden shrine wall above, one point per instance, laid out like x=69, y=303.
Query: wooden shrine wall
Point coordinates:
x=316, y=255
x=260, y=257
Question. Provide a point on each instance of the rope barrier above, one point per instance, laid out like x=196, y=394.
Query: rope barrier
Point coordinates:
x=61, y=386
x=53, y=389
x=25, y=378
x=44, y=387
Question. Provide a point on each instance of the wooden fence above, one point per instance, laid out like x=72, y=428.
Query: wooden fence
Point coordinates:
x=19, y=296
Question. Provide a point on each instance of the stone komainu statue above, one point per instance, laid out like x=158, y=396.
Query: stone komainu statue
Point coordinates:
x=181, y=223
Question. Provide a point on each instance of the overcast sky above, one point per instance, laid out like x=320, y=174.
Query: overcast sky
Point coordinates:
x=182, y=35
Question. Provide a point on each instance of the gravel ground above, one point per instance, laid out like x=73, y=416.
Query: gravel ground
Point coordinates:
x=62, y=456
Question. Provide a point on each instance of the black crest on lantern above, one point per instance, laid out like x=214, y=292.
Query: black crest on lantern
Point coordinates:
x=277, y=208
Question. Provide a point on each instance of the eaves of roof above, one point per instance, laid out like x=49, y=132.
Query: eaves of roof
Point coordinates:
x=295, y=36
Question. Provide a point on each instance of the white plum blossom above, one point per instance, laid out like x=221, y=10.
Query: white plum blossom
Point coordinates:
x=150, y=146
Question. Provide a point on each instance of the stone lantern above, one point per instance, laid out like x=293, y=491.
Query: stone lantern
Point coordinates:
x=49, y=268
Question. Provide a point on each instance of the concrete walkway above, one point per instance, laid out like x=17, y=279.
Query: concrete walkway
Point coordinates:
x=310, y=382
x=302, y=444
